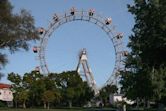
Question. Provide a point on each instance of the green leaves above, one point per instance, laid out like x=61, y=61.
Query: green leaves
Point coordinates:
x=73, y=89
x=48, y=96
x=159, y=84
x=16, y=30
x=64, y=88
x=15, y=78
x=144, y=78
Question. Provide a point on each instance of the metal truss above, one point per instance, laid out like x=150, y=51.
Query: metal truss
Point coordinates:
x=88, y=16
x=86, y=70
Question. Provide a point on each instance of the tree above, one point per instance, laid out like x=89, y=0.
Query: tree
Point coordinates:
x=16, y=30
x=51, y=92
x=23, y=97
x=71, y=84
x=147, y=56
x=148, y=40
x=16, y=86
x=73, y=90
x=21, y=92
x=29, y=87
x=48, y=97
x=34, y=88
x=66, y=88
x=86, y=94
x=106, y=91
x=159, y=84
x=34, y=82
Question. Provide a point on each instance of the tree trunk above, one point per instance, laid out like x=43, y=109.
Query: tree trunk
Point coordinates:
x=70, y=104
x=148, y=104
x=124, y=107
x=144, y=103
x=48, y=105
x=24, y=106
x=33, y=100
x=137, y=101
x=16, y=103
x=45, y=105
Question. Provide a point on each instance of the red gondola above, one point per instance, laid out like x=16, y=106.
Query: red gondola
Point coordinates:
x=91, y=12
x=41, y=30
x=72, y=11
x=108, y=21
x=37, y=69
x=119, y=35
x=125, y=53
x=35, y=49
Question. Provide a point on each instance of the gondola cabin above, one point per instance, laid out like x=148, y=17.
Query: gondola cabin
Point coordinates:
x=41, y=30
x=91, y=12
x=35, y=49
x=125, y=53
x=72, y=11
x=108, y=21
x=119, y=35
x=37, y=69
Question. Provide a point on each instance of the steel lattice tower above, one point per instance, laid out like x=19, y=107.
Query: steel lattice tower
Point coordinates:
x=86, y=71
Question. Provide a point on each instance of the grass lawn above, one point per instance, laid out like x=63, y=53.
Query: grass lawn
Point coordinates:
x=41, y=109
x=75, y=109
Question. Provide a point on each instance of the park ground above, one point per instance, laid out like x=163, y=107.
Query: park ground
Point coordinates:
x=73, y=109
x=79, y=109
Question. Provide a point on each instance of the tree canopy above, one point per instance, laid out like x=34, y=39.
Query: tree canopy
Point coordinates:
x=144, y=78
x=16, y=30
x=63, y=89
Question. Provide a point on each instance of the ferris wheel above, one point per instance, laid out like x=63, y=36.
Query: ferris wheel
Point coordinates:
x=89, y=16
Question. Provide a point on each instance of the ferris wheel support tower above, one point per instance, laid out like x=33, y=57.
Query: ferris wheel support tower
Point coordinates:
x=86, y=70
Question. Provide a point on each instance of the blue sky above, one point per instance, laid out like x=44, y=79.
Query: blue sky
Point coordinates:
x=66, y=42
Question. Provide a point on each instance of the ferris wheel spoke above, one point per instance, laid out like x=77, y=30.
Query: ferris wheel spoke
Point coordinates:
x=88, y=16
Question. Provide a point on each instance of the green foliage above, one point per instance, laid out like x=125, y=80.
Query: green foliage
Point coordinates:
x=48, y=96
x=148, y=40
x=34, y=83
x=15, y=78
x=23, y=97
x=17, y=87
x=16, y=30
x=87, y=94
x=73, y=88
x=159, y=84
x=106, y=91
x=144, y=78
x=3, y=104
x=66, y=88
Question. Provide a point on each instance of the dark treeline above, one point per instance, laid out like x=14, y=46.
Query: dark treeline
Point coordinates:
x=66, y=89
x=144, y=80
